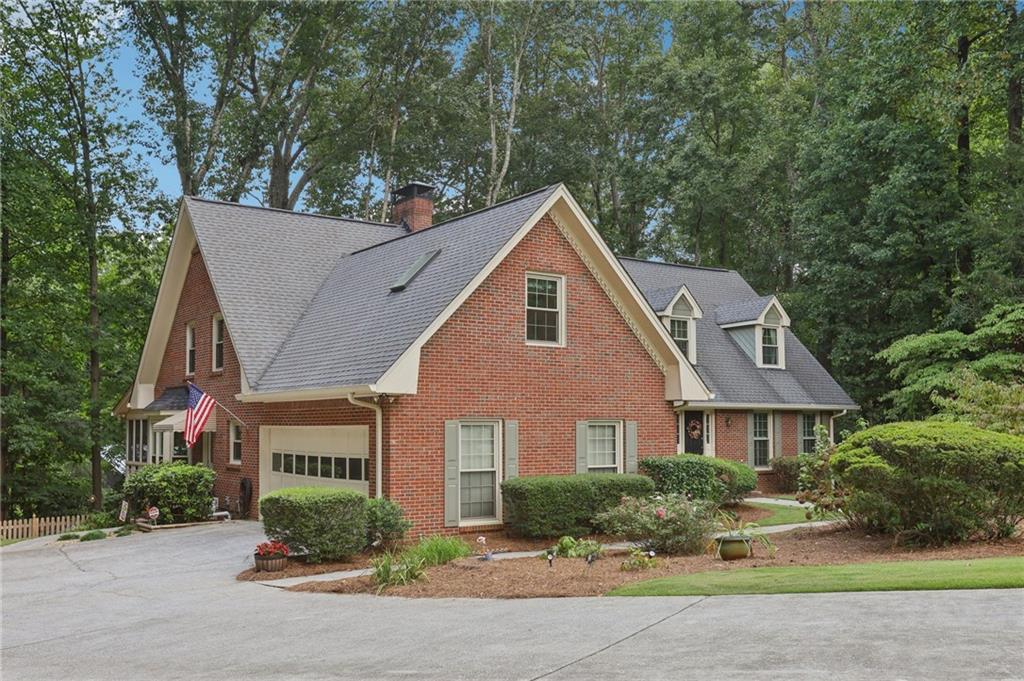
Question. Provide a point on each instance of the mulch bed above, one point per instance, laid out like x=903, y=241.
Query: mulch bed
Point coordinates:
x=298, y=567
x=532, y=578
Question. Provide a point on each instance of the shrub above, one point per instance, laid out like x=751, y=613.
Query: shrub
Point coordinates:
x=787, y=473
x=570, y=547
x=385, y=523
x=123, y=531
x=93, y=535
x=437, y=550
x=181, y=491
x=326, y=523
x=557, y=505
x=68, y=535
x=639, y=559
x=933, y=482
x=670, y=524
x=100, y=520
x=701, y=477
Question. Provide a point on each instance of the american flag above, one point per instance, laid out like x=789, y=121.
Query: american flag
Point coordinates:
x=200, y=406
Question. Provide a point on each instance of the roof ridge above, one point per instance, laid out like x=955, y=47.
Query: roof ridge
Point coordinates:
x=675, y=264
x=456, y=218
x=235, y=204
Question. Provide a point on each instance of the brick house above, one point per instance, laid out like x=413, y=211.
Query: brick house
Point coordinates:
x=427, y=363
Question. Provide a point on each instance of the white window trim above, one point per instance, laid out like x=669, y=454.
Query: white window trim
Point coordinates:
x=213, y=343
x=771, y=439
x=190, y=347
x=801, y=438
x=691, y=335
x=620, y=453
x=780, y=337
x=561, y=293
x=232, y=425
x=498, y=468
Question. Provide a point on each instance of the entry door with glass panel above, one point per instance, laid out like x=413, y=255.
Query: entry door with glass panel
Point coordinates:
x=479, y=463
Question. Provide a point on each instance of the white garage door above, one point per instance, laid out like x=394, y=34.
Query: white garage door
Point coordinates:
x=302, y=456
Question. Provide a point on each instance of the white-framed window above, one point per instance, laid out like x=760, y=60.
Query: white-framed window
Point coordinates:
x=235, y=437
x=709, y=433
x=604, y=447
x=479, y=463
x=545, y=309
x=808, y=438
x=157, y=448
x=762, y=439
x=771, y=351
x=680, y=330
x=190, y=349
x=218, y=342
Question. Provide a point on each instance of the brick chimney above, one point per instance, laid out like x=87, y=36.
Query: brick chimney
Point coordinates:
x=413, y=205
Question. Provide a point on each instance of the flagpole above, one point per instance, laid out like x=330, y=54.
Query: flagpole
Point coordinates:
x=217, y=402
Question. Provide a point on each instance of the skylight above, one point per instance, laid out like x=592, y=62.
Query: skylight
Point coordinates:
x=413, y=270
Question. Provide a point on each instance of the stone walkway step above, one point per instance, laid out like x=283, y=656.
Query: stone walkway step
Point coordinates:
x=508, y=555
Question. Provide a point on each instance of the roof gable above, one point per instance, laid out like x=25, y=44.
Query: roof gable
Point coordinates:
x=759, y=310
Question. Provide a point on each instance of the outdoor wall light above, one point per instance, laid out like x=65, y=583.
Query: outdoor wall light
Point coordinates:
x=728, y=421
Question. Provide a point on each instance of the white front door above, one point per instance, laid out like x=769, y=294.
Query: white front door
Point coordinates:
x=305, y=456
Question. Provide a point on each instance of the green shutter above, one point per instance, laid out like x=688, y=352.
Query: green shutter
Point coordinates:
x=581, y=446
x=777, y=449
x=451, y=473
x=750, y=439
x=631, y=446
x=511, y=449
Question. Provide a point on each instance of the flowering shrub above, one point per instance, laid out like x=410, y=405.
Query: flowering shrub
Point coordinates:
x=639, y=559
x=669, y=523
x=271, y=548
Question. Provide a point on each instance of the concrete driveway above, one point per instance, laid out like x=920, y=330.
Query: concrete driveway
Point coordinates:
x=166, y=606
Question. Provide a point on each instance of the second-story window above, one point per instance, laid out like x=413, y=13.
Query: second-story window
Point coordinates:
x=680, y=329
x=190, y=349
x=545, y=309
x=770, y=346
x=218, y=342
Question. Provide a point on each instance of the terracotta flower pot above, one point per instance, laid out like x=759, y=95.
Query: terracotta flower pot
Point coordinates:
x=733, y=548
x=274, y=563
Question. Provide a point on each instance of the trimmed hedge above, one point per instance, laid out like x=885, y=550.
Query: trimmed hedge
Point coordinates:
x=327, y=523
x=559, y=505
x=183, y=492
x=787, y=473
x=385, y=523
x=701, y=477
x=933, y=482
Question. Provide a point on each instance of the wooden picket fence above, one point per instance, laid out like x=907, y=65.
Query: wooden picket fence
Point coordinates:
x=30, y=528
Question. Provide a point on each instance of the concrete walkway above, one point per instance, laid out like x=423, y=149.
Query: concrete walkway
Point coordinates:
x=775, y=501
x=166, y=606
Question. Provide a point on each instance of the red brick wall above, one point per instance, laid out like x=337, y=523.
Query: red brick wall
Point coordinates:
x=731, y=442
x=478, y=364
x=198, y=304
x=418, y=212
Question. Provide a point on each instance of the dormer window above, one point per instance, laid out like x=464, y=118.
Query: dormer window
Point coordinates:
x=680, y=330
x=770, y=347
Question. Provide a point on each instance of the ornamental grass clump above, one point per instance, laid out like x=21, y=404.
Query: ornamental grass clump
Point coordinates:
x=669, y=523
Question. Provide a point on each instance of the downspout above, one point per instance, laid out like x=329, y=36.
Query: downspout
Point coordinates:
x=379, y=428
x=832, y=424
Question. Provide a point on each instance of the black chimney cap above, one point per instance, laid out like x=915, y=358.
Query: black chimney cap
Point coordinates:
x=412, y=190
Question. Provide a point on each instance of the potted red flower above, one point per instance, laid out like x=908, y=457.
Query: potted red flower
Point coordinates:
x=271, y=556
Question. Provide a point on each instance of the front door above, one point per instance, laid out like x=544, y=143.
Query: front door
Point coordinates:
x=693, y=432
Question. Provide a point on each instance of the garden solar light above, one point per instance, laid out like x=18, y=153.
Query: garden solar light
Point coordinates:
x=551, y=559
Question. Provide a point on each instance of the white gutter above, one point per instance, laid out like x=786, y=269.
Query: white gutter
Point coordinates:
x=378, y=430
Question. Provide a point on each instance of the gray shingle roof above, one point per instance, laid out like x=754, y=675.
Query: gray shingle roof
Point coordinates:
x=266, y=265
x=741, y=311
x=355, y=327
x=721, y=363
x=172, y=399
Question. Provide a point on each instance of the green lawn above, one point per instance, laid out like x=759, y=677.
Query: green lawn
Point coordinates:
x=987, y=573
x=7, y=542
x=781, y=515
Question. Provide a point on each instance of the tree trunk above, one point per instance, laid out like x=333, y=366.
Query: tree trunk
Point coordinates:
x=1015, y=98
x=963, y=121
x=6, y=465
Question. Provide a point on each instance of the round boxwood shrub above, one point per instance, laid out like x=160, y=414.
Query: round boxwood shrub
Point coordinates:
x=183, y=492
x=701, y=477
x=326, y=523
x=559, y=505
x=933, y=482
x=385, y=523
